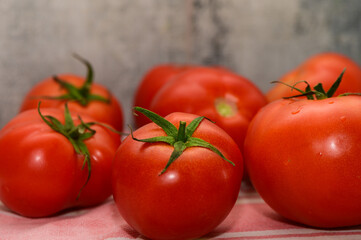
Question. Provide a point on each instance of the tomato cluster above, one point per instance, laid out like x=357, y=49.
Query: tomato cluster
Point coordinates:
x=178, y=175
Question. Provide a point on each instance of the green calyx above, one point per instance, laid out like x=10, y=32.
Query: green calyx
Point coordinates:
x=75, y=134
x=81, y=94
x=180, y=138
x=318, y=91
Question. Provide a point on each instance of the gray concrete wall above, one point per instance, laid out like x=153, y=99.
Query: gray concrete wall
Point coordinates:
x=260, y=39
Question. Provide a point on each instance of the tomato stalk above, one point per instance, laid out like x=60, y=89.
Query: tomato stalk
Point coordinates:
x=80, y=94
x=180, y=138
x=182, y=131
x=318, y=91
x=75, y=134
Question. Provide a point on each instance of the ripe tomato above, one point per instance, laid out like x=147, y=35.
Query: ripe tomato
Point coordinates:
x=150, y=85
x=189, y=197
x=229, y=100
x=42, y=174
x=91, y=99
x=322, y=68
x=303, y=158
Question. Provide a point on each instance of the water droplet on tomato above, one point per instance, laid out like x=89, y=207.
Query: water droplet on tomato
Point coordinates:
x=343, y=118
x=331, y=102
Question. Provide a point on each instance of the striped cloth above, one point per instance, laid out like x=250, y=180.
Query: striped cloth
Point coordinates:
x=251, y=218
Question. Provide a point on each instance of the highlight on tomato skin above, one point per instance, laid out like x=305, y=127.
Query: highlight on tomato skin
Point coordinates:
x=83, y=96
x=303, y=155
x=186, y=197
x=320, y=68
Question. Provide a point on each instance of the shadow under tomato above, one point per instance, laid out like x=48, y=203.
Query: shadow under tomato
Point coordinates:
x=226, y=226
x=278, y=218
x=3, y=208
x=131, y=232
x=274, y=216
x=216, y=232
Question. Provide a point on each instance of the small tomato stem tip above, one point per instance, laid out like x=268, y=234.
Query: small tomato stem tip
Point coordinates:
x=182, y=132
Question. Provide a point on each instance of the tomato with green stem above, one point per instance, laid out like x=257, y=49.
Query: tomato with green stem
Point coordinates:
x=53, y=161
x=82, y=95
x=176, y=178
x=321, y=68
x=302, y=155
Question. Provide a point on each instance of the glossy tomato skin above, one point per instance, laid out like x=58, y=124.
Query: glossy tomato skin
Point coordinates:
x=40, y=172
x=321, y=68
x=303, y=157
x=191, y=198
x=154, y=80
x=200, y=89
x=111, y=113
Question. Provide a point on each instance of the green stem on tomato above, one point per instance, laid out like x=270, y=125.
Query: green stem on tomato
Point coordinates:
x=180, y=139
x=81, y=94
x=76, y=134
x=318, y=92
x=182, y=131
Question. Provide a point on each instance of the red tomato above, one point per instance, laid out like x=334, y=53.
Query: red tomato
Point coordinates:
x=150, y=85
x=322, y=68
x=303, y=157
x=107, y=112
x=229, y=100
x=194, y=194
x=41, y=173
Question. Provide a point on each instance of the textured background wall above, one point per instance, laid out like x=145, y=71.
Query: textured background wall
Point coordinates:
x=260, y=39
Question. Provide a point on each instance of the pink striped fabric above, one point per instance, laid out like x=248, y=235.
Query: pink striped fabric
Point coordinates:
x=251, y=218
